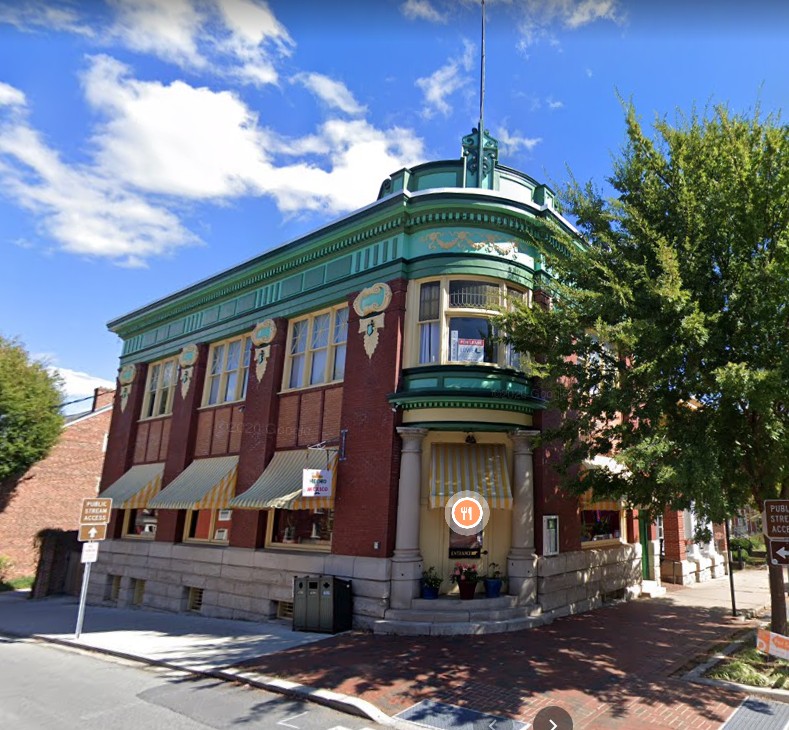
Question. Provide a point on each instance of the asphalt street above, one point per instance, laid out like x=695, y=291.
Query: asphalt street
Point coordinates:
x=47, y=686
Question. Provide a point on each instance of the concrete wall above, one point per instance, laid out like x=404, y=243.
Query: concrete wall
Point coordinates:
x=582, y=580
x=237, y=583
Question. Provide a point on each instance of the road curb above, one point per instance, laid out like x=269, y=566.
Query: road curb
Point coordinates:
x=335, y=700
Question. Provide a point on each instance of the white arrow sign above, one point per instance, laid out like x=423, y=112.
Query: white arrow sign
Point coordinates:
x=783, y=552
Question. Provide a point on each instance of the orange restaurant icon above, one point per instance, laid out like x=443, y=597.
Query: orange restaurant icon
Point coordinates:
x=467, y=512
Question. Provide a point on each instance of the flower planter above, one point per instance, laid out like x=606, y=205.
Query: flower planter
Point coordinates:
x=429, y=592
x=493, y=587
x=467, y=589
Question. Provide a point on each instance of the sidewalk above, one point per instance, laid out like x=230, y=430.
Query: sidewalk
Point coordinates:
x=610, y=668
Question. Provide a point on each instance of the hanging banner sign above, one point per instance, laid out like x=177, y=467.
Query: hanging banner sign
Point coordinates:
x=317, y=483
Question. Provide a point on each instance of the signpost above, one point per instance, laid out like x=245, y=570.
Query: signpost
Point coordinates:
x=92, y=526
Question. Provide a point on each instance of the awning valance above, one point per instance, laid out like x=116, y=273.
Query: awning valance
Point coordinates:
x=136, y=487
x=470, y=467
x=587, y=503
x=204, y=484
x=280, y=484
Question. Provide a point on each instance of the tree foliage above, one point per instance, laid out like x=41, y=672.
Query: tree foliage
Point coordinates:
x=30, y=420
x=667, y=342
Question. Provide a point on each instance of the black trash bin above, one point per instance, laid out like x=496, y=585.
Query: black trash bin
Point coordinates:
x=322, y=603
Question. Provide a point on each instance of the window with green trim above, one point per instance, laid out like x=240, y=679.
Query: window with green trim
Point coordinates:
x=228, y=363
x=316, y=348
x=160, y=388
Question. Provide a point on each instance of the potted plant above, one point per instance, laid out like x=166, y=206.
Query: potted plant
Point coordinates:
x=493, y=581
x=431, y=582
x=466, y=576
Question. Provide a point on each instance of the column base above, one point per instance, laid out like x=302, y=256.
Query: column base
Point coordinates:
x=406, y=574
x=522, y=574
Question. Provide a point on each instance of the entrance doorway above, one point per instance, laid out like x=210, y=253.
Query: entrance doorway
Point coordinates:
x=643, y=537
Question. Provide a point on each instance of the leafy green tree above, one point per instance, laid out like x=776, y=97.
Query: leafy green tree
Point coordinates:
x=667, y=339
x=30, y=419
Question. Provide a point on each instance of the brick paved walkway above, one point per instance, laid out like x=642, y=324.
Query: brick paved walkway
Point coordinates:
x=611, y=669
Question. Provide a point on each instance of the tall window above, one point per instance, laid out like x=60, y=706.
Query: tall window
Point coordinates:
x=228, y=363
x=316, y=353
x=160, y=389
x=455, y=322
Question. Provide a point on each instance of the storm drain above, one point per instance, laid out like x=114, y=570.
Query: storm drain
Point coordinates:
x=756, y=714
x=452, y=717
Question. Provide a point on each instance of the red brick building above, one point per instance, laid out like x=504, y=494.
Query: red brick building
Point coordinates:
x=365, y=351
x=50, y=494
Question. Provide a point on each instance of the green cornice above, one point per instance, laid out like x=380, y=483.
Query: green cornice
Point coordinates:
x=370, y=241
x=481, y=401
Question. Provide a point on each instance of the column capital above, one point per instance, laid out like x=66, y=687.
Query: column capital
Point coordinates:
x=412, y=437
x=522, y=440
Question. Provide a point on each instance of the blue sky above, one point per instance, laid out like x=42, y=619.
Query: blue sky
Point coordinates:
x=147, y=144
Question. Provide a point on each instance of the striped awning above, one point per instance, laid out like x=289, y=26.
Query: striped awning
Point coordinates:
x=279, y=486
x=136, y=487
x=470, y=467
x=204, y=484
x=587, y=503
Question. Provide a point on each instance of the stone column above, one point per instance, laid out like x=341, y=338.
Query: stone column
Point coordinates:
x=407, y=560
x=521, y=560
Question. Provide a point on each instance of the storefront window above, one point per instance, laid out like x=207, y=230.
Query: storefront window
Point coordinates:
x=304, y=527
x=464, y=546
x=209, y=525
x=139, y=523
x=600, y=524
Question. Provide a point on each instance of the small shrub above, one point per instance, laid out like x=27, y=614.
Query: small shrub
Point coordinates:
x=5, y=566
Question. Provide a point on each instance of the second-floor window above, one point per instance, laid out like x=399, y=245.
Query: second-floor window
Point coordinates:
x=228, y=363
x=316, y=348
x=160, y=388
x=454, y=322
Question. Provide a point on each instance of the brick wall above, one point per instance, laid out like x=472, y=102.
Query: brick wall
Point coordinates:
x=49, y=496
x=366, y=502
x=674, y=535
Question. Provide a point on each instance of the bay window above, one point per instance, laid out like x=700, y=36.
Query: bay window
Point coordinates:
x=454, y=322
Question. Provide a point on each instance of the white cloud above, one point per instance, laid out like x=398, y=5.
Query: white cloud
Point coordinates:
x=160, y=145
x=554, y=104
x=33, y=14
x=232, y=38
x=165, y=29
x=511, y=142
x=334, y=93
x=83, y=209
x=539, y=17
x=422, y=10
x=445, y=81
x=78, y=386
x=11, y=96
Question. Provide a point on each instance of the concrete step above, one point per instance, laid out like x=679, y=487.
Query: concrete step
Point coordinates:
x=480, y=614
x=453, y=603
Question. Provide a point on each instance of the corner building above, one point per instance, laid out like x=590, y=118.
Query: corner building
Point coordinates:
x=364, y=349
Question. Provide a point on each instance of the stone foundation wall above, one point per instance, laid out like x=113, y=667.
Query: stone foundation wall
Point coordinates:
x=237, y=583
x=582, y=580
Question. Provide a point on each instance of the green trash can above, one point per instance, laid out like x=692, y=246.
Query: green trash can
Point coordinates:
x=322, y=604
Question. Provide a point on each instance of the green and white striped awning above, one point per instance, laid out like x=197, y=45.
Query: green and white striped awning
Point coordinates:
x=279, y=486
x=136, y=487
x=204, y=484
x=478, y=468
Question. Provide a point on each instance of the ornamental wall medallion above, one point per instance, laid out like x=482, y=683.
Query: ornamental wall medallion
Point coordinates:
x=187, y=360
x=261, y=361
x=264, y=333
x=375, y=298
x=372, y=301
x=369, y=327
x=126, y=377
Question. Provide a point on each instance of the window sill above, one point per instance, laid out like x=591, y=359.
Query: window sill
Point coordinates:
x=595, y=544
x=300, y=547
x=148, y=419
x=148, y=537
x=198, y=541
x=219, y=405
x=288, y=391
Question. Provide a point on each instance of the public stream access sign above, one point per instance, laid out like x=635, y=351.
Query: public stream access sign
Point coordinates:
x=94, y=518
x=92, y=532
x=776, y=519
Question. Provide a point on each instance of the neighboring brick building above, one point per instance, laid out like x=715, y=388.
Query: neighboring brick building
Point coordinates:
x=371, y=339
x=50, y=494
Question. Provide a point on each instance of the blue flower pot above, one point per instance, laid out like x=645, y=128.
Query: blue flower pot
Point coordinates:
x=429, y=592
x=493, y=587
